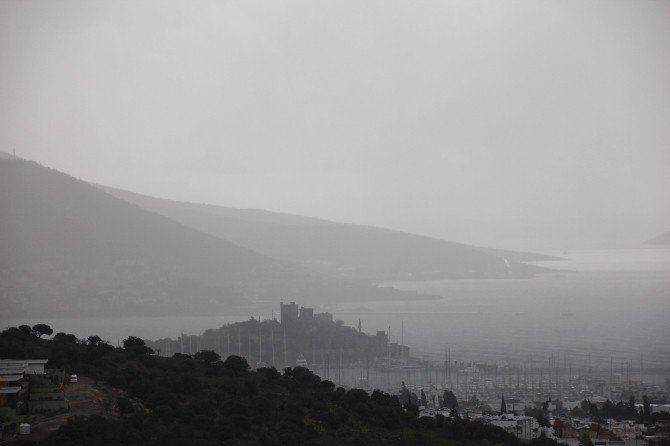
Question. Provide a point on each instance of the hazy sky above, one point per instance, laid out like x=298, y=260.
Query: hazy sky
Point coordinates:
x=526, y=124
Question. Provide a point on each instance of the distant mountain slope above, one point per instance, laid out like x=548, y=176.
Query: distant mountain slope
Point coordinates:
x=519, y=256
x=66, y=247
x=663, y=239
x=345, y=250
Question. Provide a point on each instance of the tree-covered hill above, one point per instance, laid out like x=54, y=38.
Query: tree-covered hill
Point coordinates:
x=200, y=400
x=318, y=341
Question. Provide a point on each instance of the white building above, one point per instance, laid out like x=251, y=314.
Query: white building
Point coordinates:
x=521, y=426
x=20, y=366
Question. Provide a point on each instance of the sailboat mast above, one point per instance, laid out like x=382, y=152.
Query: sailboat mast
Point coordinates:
x=402, y=341
x=285, y=362
x=388, y=348
x=260, y=344
x=272, y=339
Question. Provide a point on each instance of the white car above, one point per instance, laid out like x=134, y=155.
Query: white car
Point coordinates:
x=73, y=378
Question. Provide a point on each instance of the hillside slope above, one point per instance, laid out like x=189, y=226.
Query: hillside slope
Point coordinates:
x=663, y=239
x=200, y=400
x=339, y=249
x=68, y=248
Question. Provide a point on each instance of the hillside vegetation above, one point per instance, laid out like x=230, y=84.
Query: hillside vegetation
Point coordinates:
x=201, y=400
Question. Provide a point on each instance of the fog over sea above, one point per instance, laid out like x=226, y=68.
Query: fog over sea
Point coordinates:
x=611, y=305
x=607, y=305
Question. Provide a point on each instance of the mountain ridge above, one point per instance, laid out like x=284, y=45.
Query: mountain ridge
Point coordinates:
x=346, y=250
x=661, y=239
x=68, y=248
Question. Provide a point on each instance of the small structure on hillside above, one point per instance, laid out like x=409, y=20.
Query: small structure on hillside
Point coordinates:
x=27, y=387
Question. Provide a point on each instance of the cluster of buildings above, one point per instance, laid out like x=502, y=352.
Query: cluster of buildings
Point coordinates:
x=27, y=387
x=565, y=430
x=291, y=314
x=558, y=424
x=300, y=337
x=382, y=351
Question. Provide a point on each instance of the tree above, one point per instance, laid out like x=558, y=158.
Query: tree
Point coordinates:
x=94, y=340
x=12, y=333
x=503, y=406
x=646, y=408
x=424, y=400
x=124, y=405
x=25, y=329
x=42, y=329
x=449, y=399
x=404, y=394
x=609, y=409
x=65, y=338
x=236, y=364
x=585, y=440
x=631, y=411
x=207, y=356
x=589, y=408
x=577, y=412
x=542, y=420
x=585, y=406
x=413, y=399
x=136, y=345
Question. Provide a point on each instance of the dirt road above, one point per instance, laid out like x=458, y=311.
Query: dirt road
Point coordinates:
x=85, y=398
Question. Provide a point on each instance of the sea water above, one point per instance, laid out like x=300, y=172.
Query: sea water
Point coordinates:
x=605, y=307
